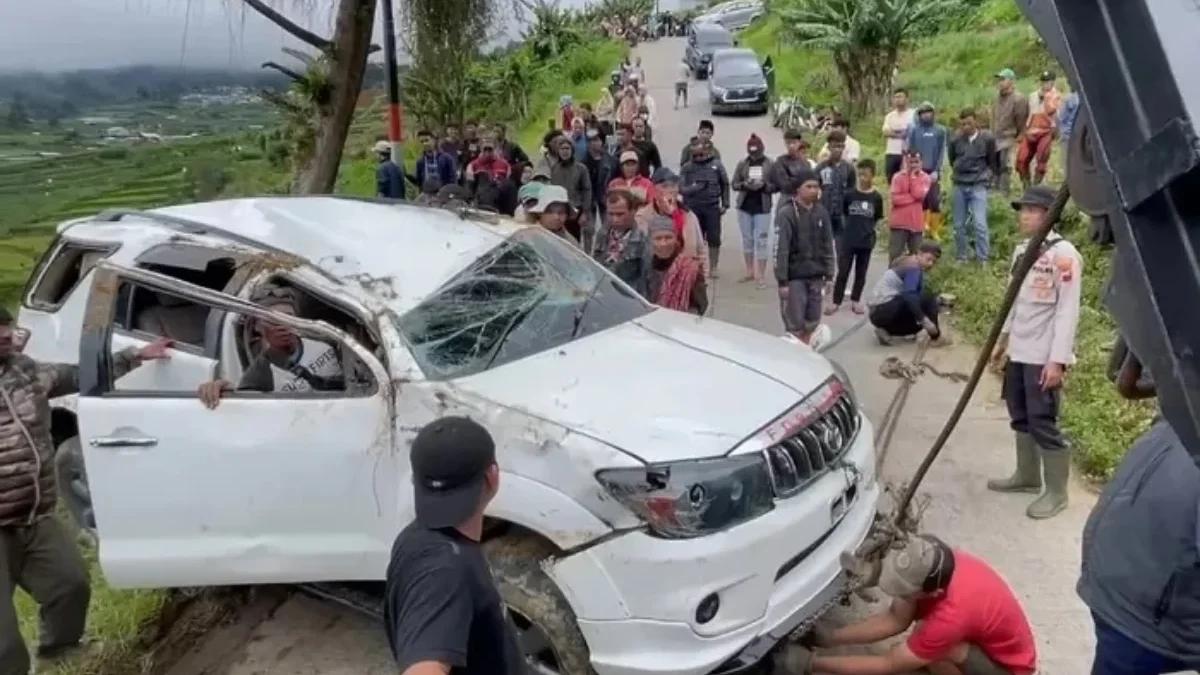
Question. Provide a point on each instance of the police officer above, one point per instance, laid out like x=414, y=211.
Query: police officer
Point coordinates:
x=442, y=612
x=1038, y=339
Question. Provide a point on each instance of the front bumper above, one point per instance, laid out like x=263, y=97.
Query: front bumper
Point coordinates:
x=760, y=107
x=635, y=596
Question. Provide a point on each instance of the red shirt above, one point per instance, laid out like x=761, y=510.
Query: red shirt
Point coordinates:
x=495, y=167
x=978, y=608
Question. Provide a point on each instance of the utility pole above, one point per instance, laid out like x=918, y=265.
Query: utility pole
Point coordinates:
x=395, y=122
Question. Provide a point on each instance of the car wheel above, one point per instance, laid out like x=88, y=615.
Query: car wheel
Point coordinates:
x=73, y=484
x=544, y=621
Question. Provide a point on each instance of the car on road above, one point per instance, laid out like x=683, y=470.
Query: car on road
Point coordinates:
x=676, y=492
x=704, y=39
x=733, y=16
x=736, y=82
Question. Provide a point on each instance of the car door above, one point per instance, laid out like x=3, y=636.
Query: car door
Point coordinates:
x=265, y=488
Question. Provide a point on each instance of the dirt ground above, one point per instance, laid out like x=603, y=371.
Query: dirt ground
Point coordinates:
x=298, y=635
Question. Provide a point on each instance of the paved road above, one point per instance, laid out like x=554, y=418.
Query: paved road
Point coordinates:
x=1040, y=559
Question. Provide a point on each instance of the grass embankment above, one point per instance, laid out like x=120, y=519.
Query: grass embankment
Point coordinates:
x=35, y=196
x=955, y=70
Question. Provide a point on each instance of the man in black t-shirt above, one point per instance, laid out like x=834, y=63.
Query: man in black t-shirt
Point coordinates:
x=442, y=613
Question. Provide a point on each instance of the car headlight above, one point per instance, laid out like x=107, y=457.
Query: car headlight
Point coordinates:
x=684, y=500
x=844, y=377
x=719, y=91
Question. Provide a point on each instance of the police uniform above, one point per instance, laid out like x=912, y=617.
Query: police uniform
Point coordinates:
x=1040, y=329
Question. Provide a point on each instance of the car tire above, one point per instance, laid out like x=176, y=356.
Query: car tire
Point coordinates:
x=534, y=601
x=71, y=475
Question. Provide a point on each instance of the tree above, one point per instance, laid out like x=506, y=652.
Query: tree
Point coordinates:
x=343, y=62
x=444, y=38
x=865, y=38
x=18, y=117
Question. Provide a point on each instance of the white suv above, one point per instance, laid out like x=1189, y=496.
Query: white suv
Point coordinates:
x=677, y=490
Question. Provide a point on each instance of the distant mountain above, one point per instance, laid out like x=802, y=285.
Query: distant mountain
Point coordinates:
x=55, y=95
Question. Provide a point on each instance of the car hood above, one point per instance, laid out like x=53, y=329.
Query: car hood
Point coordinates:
x=666, y=387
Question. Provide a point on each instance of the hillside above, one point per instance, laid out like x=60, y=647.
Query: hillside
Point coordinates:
x=954, y=69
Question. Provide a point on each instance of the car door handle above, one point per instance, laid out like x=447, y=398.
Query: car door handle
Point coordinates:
x=124, y=442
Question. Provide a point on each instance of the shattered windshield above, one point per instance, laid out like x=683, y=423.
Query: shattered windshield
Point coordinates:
x=531, y=293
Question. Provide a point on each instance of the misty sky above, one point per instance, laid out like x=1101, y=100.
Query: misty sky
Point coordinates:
x=71, y=34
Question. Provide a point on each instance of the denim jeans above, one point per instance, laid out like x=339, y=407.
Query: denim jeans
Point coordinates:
x=756, y=235
x=1118, y=655
x=970, y=199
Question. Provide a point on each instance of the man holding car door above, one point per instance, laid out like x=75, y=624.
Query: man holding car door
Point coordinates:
x=36, y=552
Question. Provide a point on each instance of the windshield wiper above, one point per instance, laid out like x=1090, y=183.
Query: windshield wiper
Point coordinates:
x=582, y=309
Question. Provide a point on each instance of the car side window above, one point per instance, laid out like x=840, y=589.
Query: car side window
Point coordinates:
x=153, y=314
x=60, y=271
x=273, y=359
x=316, y=365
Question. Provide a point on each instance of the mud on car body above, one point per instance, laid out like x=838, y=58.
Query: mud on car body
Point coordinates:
x=645, y=525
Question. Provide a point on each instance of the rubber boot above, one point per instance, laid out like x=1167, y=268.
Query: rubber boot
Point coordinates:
x=714, y=257
x=936, y=220
x=1028, y=476
x=1054, y=499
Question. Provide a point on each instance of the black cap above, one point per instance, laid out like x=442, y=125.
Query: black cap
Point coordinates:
x=450, y=457
x=1037, y=195
x=663, y=175
x=1047, y=76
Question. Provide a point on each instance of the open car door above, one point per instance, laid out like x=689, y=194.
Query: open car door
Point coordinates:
x=267, y=487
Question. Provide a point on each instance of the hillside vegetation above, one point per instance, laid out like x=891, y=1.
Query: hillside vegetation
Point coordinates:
x=953, y=68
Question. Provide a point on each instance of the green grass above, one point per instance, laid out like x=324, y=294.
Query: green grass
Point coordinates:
x=954, y=70
x=116, y=620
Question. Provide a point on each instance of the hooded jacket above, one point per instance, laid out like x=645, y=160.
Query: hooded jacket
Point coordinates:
x=805, y=247
x=571, y=175
x=929, y=140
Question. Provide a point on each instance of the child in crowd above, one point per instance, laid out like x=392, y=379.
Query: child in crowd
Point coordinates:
x=863, y=211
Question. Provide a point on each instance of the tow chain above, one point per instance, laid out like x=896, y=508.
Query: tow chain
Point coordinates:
x=895, y=369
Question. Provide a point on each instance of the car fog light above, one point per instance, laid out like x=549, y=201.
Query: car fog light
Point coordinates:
x=707, y=609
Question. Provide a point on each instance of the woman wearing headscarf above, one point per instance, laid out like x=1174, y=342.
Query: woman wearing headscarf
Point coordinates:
x=606, y=106
x=627, y=108
x=666, y=203
x=674, y=280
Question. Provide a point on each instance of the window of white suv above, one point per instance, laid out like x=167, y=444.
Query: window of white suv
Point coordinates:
x=531, y=293
x=61, y=270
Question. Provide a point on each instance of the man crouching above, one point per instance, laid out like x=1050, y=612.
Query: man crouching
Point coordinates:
x=968, y=622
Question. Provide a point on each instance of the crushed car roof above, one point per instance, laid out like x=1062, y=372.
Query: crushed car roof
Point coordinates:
x=415, y=249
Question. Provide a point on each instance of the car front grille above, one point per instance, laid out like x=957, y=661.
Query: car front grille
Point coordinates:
x=807, y=454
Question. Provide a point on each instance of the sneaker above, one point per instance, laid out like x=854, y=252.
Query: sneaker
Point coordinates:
x=820, y=337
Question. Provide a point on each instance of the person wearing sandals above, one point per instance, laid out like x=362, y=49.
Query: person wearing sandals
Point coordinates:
x=863, y=211
x=754, y=210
